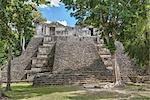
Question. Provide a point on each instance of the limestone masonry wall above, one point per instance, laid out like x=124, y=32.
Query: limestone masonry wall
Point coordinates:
x=20, y=63
x=75, y=62
x=76, y=54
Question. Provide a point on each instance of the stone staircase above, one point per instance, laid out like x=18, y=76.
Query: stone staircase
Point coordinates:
x=42, y=67
x=19, y=64
x=105, y=55
x=44, y=60
x=72, y=77
x=72, y=74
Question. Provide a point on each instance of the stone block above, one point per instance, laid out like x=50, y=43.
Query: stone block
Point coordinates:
x=45, y=49
x=47, y=39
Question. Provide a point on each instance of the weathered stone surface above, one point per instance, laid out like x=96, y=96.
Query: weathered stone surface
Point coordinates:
x=128, y=69
x=75, y=62
x=76, y=54
x=44, y=60
x=20, y=63
x=84, y=75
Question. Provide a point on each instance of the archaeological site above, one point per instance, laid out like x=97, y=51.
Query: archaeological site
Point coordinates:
x=62, y=55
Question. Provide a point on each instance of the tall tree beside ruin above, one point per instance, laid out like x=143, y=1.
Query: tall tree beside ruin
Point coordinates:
x=124, y=21
x=22, y=15
x=14, y=15
x=5, y=22
x=22, y=20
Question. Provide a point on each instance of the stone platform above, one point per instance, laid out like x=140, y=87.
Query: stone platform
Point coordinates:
x=75, y=62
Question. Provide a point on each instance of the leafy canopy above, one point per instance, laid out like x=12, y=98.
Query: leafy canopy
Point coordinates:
x=15, y=15
x=122, y=20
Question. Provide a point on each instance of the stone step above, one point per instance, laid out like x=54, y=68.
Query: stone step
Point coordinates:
x=104, y=53
x=39, y=65
x=42, y=55
x=105, y=56
x=34, y=70
x=46, y=69
x=32, y=73
x=48, y=43
x=45, y=49
x=70, y=76
x=52, y=79
x=104, y=49
x=45, y=54
x=39, y=61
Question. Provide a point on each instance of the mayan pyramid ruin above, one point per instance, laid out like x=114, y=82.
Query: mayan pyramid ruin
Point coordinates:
x=59, y=54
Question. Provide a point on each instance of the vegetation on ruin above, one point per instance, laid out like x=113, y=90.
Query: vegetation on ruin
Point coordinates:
x=126, y=21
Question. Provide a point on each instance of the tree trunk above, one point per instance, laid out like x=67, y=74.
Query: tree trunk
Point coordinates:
x=8, y=87
x=116, y=69
x=23, y=44
x=118, y=80
x=22, y=41
x=0, y=85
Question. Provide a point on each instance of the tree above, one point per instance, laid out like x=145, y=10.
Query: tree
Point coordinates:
x=22, y=20
x=16, y=25
x=5, y=20
x=119, y=21
x=8, y=87
x=14, y=15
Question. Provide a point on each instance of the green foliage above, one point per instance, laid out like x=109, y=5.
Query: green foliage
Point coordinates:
x=18, y=15
x=14, y=14
x=125, y=21
x=3, y=54
x=23, y=19
x=41, y=1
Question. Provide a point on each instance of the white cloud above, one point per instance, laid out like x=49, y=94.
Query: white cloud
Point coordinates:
x=43, y=6
x=63, y=22
x=55, y=3
x=48, y=22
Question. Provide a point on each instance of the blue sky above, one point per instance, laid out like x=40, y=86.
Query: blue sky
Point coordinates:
x=57, y=13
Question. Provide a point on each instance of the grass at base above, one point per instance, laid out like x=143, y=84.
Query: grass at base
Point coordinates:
x=25, y=91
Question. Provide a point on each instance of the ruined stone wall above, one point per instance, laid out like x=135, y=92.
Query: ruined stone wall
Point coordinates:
x=75, y=62
x=128, y=69
x=19, y=64
x=91, y=39
x=123, y=62
x=75, y=54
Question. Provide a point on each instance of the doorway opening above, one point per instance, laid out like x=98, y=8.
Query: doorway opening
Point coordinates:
x=92, y=31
